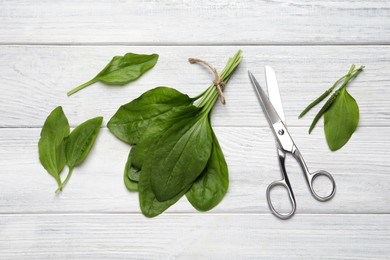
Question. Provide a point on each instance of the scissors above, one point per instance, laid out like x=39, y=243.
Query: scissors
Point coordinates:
x=273, y=109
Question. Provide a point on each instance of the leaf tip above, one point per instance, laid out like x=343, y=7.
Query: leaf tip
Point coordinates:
x=334, y=148
x=99, y=119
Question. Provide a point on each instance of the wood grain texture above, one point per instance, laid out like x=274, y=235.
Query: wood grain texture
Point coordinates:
x=49, y=47
x=97, y=186
x=35, y=79
x=195, y=22
x=200, y=236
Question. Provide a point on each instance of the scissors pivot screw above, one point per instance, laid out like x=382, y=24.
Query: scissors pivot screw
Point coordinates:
x=281, y=132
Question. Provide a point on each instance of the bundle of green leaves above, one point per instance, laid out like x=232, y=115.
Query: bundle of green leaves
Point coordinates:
x=341, y=112
x=58, y=147
x=175, y=150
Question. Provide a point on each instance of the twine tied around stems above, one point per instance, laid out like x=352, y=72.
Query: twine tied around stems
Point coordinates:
x=218, y=82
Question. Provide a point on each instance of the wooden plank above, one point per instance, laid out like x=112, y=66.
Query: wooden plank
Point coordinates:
x=360, y=170
x=197, y=236
x=195, y=22
x=35, y=80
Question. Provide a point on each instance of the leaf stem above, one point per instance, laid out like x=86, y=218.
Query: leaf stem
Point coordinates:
x=211, y=94
x=66, y=180
x=200, y=95
x=58, y=179
x=86, y=84
x=353, y=75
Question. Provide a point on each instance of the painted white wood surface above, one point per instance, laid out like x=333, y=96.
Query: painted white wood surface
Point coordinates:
x=35, y=80
x=195, y=22
x=48, y=47
x=194, y=236
x=97, y=185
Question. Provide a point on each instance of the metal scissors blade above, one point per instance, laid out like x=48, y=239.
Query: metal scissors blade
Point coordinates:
x=273, y=92
x=271, y=113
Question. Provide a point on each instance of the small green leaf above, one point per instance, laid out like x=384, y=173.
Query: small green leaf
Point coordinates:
x=341, y=120
x=211, y=186
x=122, y=70
x=132, y=119
x=131, y=172
x=80, y=141
x=51, y=146
x=180, y=156
x=130, y=184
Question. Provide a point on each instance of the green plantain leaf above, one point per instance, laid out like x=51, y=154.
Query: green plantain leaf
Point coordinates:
x=131, y=185
x=155, y=130
x=211, y=186
x=341, y=120
x=131, y=172
x=122, y=70
x=150, y=205
x=132, y=119
x=51, y=144
x=180, y=156
x=80, y=141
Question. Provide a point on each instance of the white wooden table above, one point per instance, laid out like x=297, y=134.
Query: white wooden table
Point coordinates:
x=49, y=47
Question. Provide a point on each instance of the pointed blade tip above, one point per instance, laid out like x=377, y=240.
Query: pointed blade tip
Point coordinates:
x=269, y=68
x=251, y=76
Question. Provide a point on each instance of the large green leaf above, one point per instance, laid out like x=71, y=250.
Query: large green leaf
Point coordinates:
x=150, y=205
x=51, y=144
x=154, y=131
x=341, y=120
x=138, y=153
x=180, y=156
x=132, y=119
x=211, y=186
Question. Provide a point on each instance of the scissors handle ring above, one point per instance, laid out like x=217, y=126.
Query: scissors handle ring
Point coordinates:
x=313, y=176
x=310, y=177
x=284, y=184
